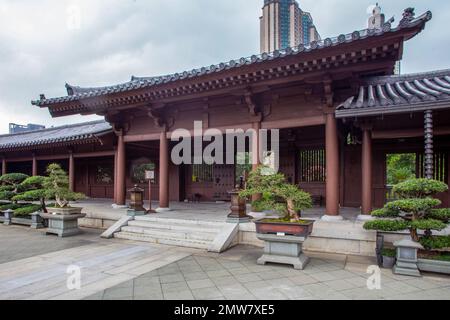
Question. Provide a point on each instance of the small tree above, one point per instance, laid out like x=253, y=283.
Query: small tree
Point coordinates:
x=56, y=186
x=11, y=185
x=415, y=208
x=32, y=190
x=277, y=194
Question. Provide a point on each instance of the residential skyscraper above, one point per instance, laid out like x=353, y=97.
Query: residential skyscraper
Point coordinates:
x=283, y=24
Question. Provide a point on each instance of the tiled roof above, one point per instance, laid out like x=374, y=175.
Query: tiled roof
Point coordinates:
x=65, y=134
x=394, y=94
x=76, y=93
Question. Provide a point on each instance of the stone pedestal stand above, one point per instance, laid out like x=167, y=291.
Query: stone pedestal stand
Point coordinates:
x=36, y=221
x=63, y=225
x=238, y=208
x=8, y=214
x=284, y=250
x=407, y=257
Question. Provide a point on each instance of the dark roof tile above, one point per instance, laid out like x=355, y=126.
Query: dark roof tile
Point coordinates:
x=68, y=133
x=390, y=94
x=77, y=93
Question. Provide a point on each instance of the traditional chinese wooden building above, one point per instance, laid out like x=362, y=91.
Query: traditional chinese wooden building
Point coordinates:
x=336, y=101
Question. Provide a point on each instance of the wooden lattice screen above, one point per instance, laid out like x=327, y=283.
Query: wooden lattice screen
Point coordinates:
x=312, y=165
x=202, y=173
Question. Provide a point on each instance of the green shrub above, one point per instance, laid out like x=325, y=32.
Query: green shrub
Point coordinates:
x=6, y=188
x=413, y=205
x=386, y=225
x=419, y=188
x=428, y=224
x=7, y=195
x=56, y=186
x=385, y=213
x=31, y=195
x=13, y=178
x=27, y=210
x=388, y=252
x=34, y=182
x=11, y=206
x=439, y=214
x=279, y=195
x=435, y=242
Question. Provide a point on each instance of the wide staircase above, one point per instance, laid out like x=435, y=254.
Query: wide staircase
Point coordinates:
x=209, y=235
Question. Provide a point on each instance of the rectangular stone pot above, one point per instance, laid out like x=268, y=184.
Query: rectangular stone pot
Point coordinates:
x=21, y=221
x=65, y=211
x=63, y=225
x=290, y=229
x=437, y=266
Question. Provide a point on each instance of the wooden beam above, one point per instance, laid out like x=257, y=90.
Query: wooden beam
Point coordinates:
x=407, y=133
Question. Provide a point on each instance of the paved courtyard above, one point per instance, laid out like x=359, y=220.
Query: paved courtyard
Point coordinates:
x=236, y=276
x=34, y=266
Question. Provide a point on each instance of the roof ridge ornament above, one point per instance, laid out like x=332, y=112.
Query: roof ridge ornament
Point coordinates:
x=408, y=17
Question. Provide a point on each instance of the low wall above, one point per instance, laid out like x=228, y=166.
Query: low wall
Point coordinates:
x=100, y=220
x=343, y=237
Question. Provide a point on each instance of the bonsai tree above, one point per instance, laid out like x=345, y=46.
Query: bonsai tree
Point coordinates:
x=32, y=190
x=414, y=211
x=56, y=186
x=277, y=194
x=11, y=185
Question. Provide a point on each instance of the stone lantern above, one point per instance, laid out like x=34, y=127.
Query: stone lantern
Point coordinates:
x=407, y=257
x=238, y=207
x=137, y=202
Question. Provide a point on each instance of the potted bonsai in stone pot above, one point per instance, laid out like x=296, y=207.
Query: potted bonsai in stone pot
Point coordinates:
x=32, y=190
x=388, y=255
x=284, y=235
x=414, y=211
x=62, y=218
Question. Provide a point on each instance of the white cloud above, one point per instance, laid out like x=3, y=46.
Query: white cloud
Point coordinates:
x=120, y=38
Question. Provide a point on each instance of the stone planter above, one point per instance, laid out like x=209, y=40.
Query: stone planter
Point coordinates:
x=437, y=266
x=388, y=262
x=290, y=229
x=284, y=242
x=21, y=221
x=65, y=211
x=63, y=225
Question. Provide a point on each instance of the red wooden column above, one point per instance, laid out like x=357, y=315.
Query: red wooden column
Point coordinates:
x=366, y=163
x=115, y=175
x=332, y=168
x=255, y=153
x=121, y=171
x=255, y=145
x=34, y=166
x=71, y=171
x=163, y=172
x=4, y=166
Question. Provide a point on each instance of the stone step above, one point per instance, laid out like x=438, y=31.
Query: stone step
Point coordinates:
x=185, y=222
x=190, y=243
x=162, y=225
x=176, y=234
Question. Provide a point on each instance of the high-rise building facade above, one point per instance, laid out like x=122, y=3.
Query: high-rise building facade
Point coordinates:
x=283, y=24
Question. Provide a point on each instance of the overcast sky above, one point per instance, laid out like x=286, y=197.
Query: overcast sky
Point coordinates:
x=46, y=43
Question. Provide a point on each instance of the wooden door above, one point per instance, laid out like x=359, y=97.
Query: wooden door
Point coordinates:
x=224, y=181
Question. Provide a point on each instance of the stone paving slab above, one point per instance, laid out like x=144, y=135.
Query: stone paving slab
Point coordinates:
x=222, y=277
x=19, y=242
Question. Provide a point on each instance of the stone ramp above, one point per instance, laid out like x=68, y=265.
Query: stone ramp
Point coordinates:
x=213, y=236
